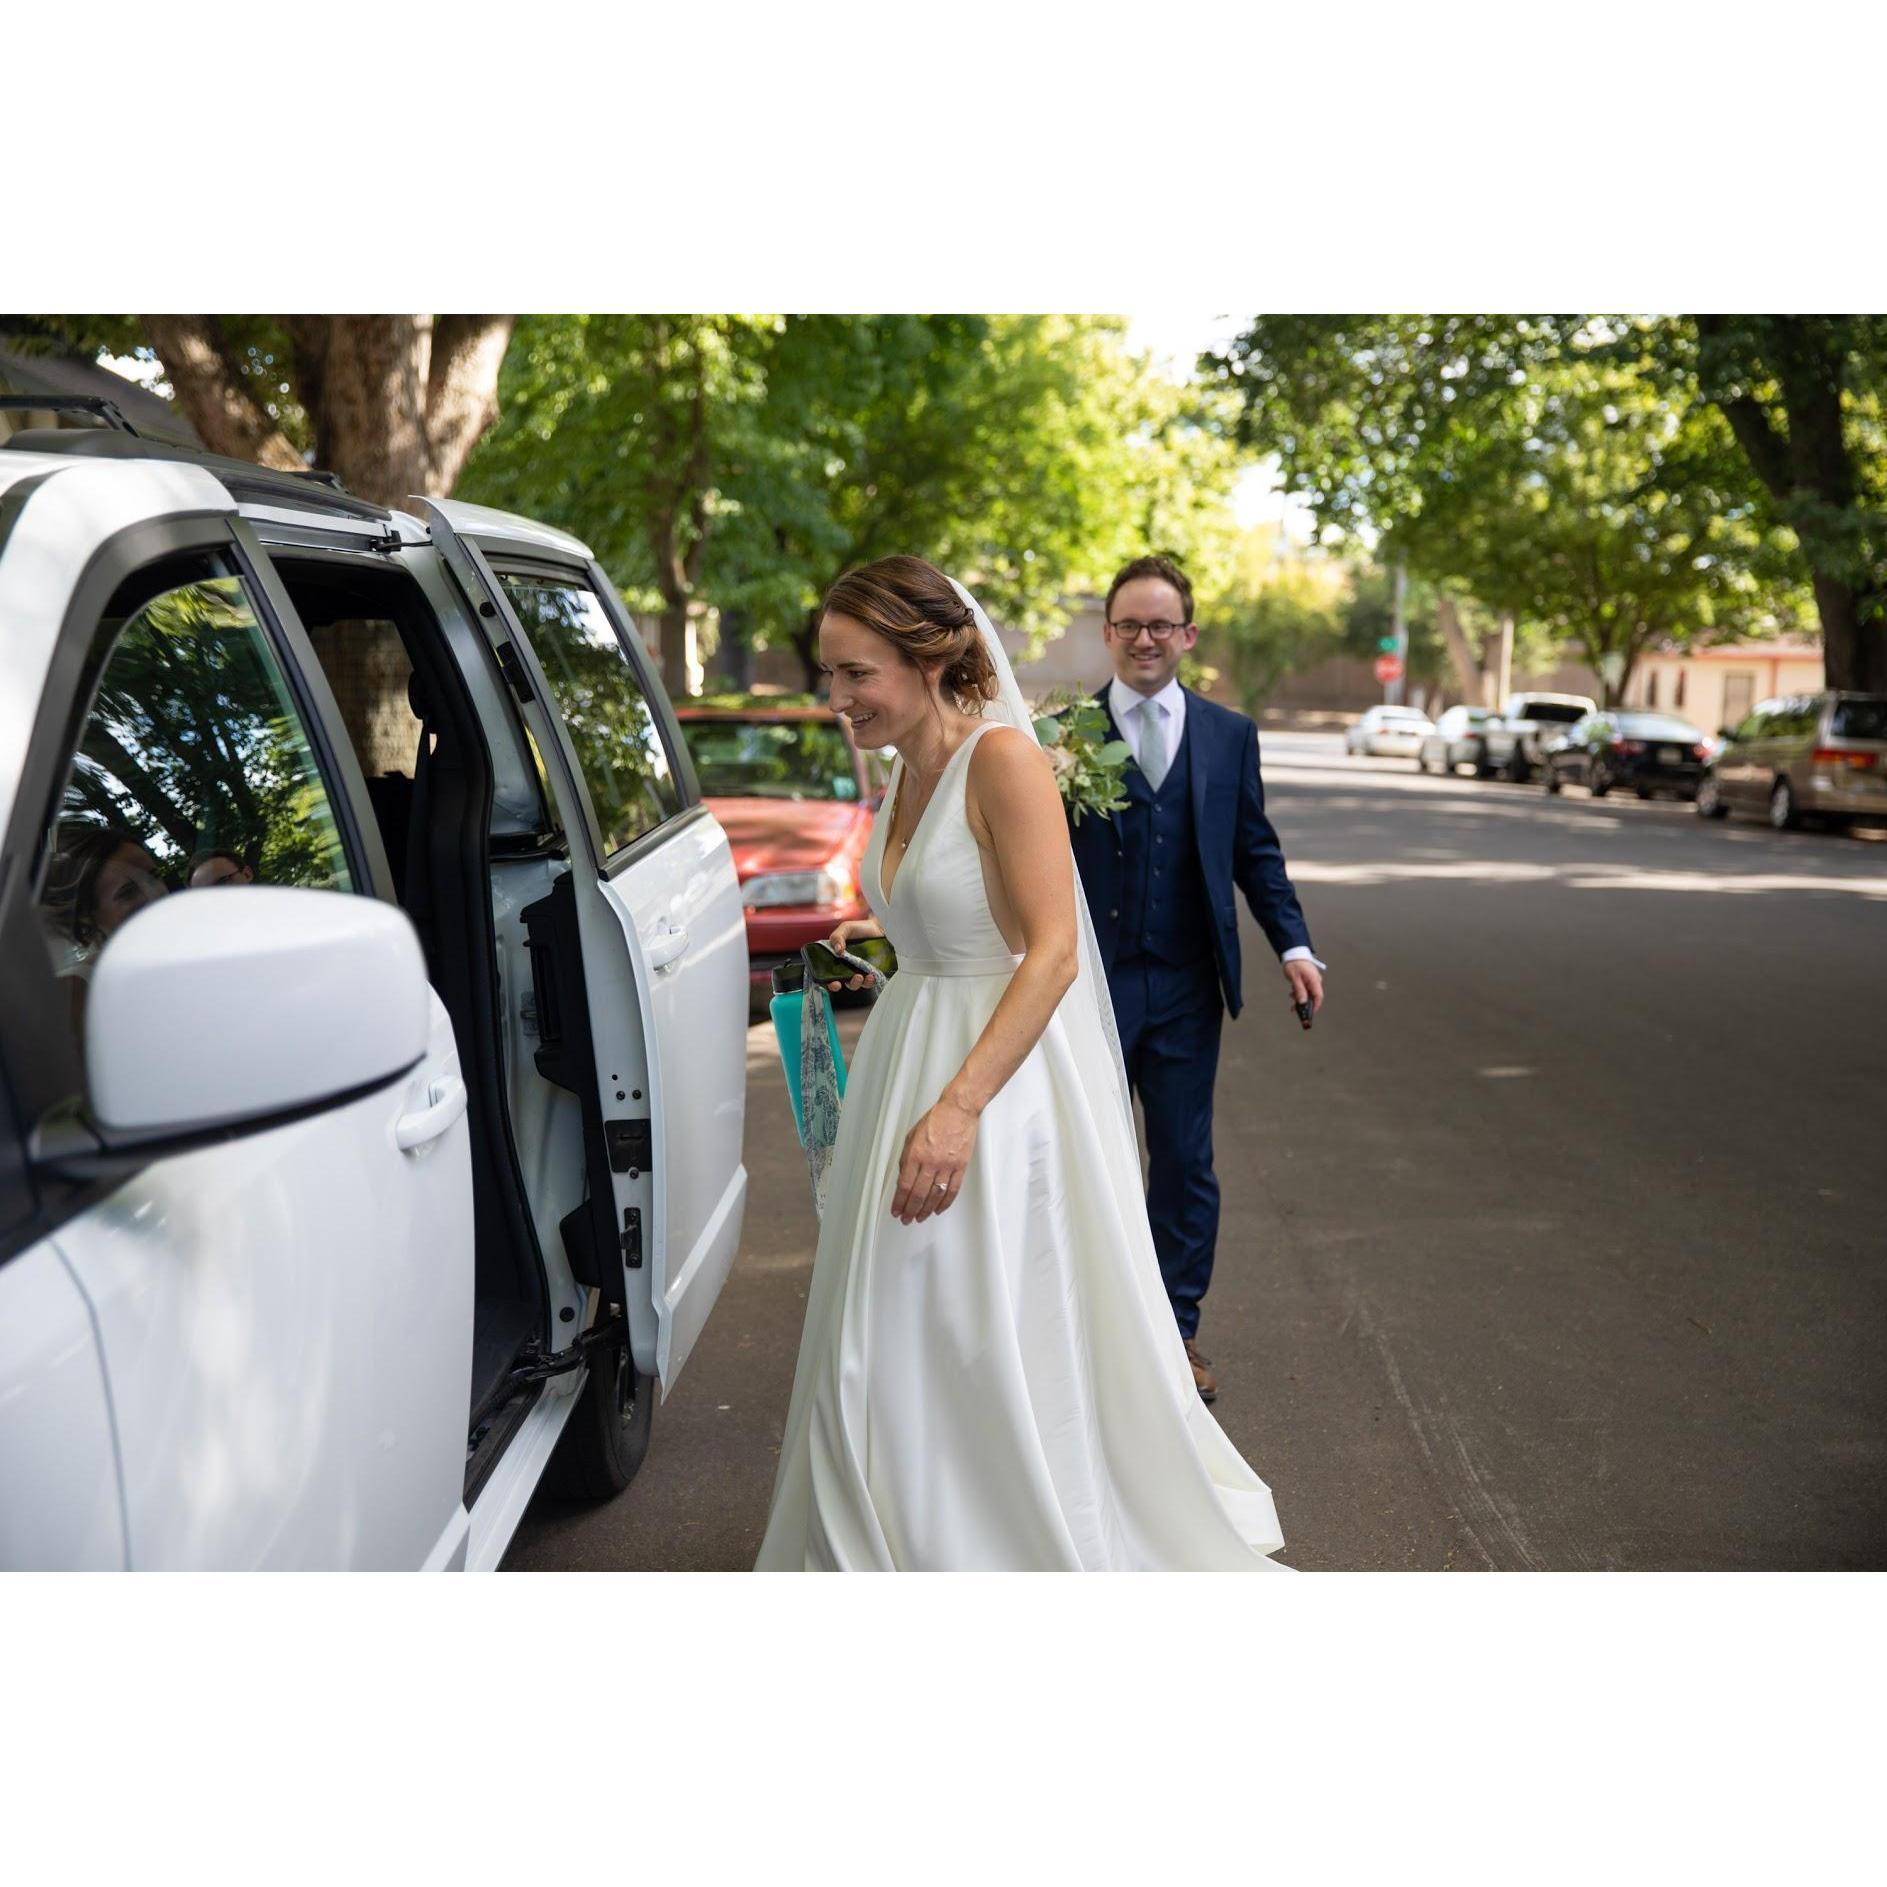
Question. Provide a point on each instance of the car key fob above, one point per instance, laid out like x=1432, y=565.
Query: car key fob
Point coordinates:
x=1305, y=1011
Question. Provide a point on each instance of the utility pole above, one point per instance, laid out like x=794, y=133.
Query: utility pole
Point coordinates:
x=1394, y=692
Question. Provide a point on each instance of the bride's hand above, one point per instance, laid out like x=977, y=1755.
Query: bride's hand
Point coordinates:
x=840, y=942
x=936, y=1156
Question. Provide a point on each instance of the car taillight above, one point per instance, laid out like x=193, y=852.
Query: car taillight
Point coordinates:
x=1628, y=746
x=1845, y=757
x=1700, y=752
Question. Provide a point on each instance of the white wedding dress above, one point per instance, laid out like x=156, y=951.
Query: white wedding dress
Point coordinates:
x=1001, y=1386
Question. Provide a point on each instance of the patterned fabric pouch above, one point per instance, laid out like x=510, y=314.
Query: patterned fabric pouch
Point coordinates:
x=822, y=1075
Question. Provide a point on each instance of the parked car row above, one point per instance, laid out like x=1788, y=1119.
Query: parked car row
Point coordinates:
x=1814, y=757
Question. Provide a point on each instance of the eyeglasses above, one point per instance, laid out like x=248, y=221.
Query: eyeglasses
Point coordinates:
x=1129, y=631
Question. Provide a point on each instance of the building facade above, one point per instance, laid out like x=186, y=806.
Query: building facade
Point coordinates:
x=1716, y=688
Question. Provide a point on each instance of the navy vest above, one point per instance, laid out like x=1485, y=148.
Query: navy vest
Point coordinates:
x=1165, y=913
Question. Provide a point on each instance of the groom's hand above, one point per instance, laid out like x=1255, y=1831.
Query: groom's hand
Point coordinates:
x=1307, y=983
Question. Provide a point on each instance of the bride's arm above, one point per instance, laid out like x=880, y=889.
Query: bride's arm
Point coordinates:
x=1016, y=810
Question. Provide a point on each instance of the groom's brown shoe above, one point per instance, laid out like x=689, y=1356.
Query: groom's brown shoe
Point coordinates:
x=1203, y=1378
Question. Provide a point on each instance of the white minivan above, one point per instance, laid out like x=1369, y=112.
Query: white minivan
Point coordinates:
x=372, y=1051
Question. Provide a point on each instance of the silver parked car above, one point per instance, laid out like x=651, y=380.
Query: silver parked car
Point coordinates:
x=1459, y=738
x=1816, y=756
x=1394, y=733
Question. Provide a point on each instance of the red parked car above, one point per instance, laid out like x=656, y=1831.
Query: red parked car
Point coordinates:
x=795, y=796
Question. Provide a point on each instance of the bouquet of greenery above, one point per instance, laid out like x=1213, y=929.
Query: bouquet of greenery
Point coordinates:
x=1090, y=769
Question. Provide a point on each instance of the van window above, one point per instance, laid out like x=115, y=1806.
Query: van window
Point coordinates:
x=1860, y=717
x=193, y=771
x=612, y=727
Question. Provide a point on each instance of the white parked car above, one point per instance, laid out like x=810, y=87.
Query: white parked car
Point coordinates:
x=1394, y=732
x=372, y=1063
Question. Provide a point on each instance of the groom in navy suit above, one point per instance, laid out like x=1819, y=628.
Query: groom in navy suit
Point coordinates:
x=1159, y=878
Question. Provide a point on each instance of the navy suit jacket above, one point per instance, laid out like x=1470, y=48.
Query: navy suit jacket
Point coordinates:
x=1238, y=848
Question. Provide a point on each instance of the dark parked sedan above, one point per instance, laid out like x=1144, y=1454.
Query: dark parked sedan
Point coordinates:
x=1650, y=753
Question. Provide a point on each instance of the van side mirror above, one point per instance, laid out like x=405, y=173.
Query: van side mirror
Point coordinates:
x=234, y=1009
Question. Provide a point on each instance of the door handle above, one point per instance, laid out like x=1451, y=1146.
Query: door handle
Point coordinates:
x=445, y=1103
x=666, y=945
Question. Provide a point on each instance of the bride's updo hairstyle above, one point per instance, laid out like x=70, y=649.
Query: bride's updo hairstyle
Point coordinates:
x=916, y=608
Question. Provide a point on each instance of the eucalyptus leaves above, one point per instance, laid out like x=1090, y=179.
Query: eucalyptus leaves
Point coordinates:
x=1090, y=769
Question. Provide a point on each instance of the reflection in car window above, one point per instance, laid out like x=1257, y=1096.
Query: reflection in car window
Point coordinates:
x=612, y=727
x=737, y=759
x=194, y=768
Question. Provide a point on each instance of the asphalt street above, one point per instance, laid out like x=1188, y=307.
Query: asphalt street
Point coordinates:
x=1560, y=1242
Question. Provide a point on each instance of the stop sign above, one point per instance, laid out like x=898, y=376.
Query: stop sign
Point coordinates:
x=1389, y=668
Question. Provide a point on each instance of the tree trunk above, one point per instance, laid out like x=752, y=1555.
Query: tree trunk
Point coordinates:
x=1461, y=655
x=370, y=427
x=1806, y=465
x=461, y=391
x=213, y=394
x=395, y=402
x=806, y=647
x=1500, y=679
x=675, y=676
x=734, y=659
x=1853, y=633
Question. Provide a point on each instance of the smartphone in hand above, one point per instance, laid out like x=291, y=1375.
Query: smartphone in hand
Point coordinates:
x=829, y=967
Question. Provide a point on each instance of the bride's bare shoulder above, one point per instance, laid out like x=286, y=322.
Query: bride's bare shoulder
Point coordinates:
x=1006, y=753
x=1010, y=777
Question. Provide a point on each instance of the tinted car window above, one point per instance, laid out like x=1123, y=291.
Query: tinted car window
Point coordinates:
x=771, y=759
x=1544, y=711
x=1861, y=717
x=612, y=727
x=1657, y=727
x=194, y=770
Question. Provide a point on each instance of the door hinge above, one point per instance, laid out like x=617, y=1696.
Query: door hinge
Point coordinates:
x=511, y=664
x=537, y=1365
x=632, y=1238
x=631, y=1146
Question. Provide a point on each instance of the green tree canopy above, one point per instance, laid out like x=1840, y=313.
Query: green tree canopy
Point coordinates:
x=1525, y=462
x=746, y=461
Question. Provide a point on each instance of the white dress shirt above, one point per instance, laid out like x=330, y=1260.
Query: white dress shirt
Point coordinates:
x=1124, y=703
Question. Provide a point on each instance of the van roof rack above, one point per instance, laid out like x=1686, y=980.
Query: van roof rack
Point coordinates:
x=254, y=484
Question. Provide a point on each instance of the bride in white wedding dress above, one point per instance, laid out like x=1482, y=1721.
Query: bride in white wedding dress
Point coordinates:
x=990, y=1375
